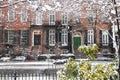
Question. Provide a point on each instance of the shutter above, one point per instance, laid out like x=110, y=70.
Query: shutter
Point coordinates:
x=56, y=35
x=27, y=43
x=60, y=35
x=19, y=35
x=6, y=36
x=15, y=33
x=85, y=37
x=100, y=35
x=47, y=38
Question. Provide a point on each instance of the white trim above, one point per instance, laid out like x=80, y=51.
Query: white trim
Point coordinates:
x=33, y=35
x=53, y=38
x=66, y=15
x=53, y=13
x=25, y=14
x=13, y=15
x=64, y=35
x=90, y=36
x=38, y=18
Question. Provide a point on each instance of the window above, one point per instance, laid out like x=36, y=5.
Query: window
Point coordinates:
x=51, y=37
x=24, y=37
x=24, y=15
x=52, y=18
x=11, y=37
x=90, y=18
x=64, y=37
x=105, y=38
x=0, y=14
x=11, y=15
x=64, y=19
x=90, y=37
x=104, y=18
x=38, y=18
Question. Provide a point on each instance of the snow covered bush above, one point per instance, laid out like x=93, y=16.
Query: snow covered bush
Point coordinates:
x=89, y=51
x=84, y=70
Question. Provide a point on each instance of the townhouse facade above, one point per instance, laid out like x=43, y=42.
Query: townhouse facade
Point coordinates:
x=49, y=30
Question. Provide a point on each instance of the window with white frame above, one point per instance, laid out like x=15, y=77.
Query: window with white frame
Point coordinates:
x=38, y=18
x=11, y=36
x=52, y=18
x=64, y=37
x=90, y=18
x=51, y=37
x=105, y=38
x=11, y=15
x=64, y=18
x=90, y=36
x=0, y=14
x=23, y=15
x=104, y=17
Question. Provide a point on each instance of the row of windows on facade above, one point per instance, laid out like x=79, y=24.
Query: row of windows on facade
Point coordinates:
x=52, y=17
x=23, y=36
x=11, y=17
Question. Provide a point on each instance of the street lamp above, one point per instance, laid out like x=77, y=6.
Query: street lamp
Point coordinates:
x=117, y=20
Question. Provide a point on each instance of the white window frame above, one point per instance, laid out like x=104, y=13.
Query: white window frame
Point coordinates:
x=51, y=18
x=64, y=18
x=104, y=17
x=52, y=37
x=23, y=15
x=38, y=18
x=64, y=37
x=105, y=38
x=90, y=37
x=12, y=14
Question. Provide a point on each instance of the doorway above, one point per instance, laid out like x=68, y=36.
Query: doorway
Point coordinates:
x=37, y=38
x=77, y=42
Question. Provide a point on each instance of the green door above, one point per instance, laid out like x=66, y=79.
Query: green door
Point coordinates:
x=77, y=42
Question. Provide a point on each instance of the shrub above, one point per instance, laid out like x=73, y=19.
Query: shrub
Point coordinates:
x=89, y=51
x=86, y=71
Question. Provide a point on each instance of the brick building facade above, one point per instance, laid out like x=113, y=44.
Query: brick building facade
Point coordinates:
x=47, y=30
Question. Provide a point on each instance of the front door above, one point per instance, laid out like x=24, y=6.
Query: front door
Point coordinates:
x=77, y=42
x=37, y=38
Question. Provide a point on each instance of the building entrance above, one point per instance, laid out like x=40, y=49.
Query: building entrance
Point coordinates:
x=37, y=38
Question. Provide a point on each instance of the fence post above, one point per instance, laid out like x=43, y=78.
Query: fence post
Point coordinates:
x=14, y=75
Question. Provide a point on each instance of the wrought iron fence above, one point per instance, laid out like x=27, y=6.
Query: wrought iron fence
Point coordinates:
x=16, y=75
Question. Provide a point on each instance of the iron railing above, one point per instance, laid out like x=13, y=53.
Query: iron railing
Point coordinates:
x=27, y=75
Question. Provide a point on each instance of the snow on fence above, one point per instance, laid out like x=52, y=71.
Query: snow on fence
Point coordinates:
x=13, y=75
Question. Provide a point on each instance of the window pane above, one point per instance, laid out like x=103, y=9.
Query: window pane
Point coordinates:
x=10, y=15
x=51, y=37
x=24, y=15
